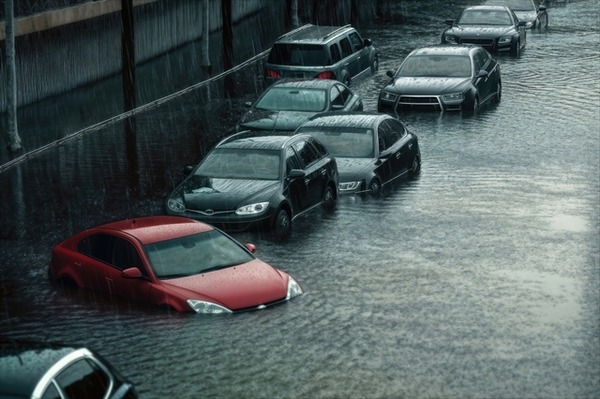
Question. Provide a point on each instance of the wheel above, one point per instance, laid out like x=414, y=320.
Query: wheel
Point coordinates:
x=415, y=167
x=282, y=226
x=498, y=96
x=472, y=107
x=375, y=65
x=515, y=49
x=328, y=198
x=375, y=187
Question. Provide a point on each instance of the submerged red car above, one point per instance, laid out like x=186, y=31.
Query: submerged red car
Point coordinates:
x=171, y=261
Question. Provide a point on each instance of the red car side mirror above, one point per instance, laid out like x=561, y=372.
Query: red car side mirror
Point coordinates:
x=132, y=272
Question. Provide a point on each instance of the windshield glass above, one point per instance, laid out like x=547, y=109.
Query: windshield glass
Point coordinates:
x=194, y=254
x=344, y=142
x=293, y=99
x=436, y=66
x=241, y=163
x=485, y=17
x=298, y=54
x=515, y=5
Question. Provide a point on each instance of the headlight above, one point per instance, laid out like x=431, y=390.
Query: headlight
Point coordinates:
x=349, y=186
x=504, y=40
x=453, y=97
x=253, y=209
x=207, y=307
x=387, y=96
x=451, y=39
x=293, y=289
x=176, y=205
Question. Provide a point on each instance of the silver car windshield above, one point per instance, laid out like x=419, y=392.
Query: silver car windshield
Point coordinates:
x=195, y=254
x=241, y=163
x=293, y=99
x=344, y=142
x=436, y=66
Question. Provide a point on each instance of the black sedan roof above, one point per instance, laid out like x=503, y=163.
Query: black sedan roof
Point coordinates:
x=445, y=49
x=256, y=140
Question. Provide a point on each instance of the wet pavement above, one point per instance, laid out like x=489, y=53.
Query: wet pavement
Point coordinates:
x=478, y=279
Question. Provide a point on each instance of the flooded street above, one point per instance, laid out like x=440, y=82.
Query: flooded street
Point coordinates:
x=480, y=278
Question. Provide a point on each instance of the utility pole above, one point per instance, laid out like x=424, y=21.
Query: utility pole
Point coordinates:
x=14, y=144
x=227, y=46
x=206, y=37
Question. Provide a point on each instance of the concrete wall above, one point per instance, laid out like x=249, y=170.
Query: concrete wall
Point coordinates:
x=78, y=46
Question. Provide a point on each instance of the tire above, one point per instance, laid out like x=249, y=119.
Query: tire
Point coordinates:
x=515, y=50
x=329, y=199
x=498, y=95
x=282, y=225
x=472, y=107
x=375, y=65
x=375, y=187
x=415, y=167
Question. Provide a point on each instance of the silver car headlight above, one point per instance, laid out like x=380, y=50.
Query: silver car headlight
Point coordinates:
x=205, y=307
x=176, y=205
x=349, y=185
x=253, y=209
x=453, y=97
x=293, y=289
x=505, y=40
x=387, y=96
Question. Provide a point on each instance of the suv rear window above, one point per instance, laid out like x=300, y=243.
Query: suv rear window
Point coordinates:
x=298, y=54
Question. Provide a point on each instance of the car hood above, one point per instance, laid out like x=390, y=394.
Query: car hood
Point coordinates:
x=248, y=285
x=483, y=31
x=428, y=86
x=274, y=120
x=227, y=194
x=354, y=169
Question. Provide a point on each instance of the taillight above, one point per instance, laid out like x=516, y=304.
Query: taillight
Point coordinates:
x=272, y=74
x=325, y=75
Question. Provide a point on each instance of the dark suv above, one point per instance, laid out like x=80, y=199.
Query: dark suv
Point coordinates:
x=325, y=52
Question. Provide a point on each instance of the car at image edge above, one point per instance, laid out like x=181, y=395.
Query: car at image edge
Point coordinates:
x=532, y=12
x=35, y=370
x=173, y=262
x=258, y=180
x=445, y=78
x=287, y=103
x=371, y=149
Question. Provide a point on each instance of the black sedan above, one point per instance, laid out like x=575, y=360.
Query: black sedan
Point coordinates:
x=444, y=77
x=371, y=149
x=286, y=104
x=496, y=28
x=532, y=12
x=258, y=179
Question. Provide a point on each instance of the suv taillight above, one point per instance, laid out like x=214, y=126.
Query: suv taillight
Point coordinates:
x=272, y=74
x=325, y=75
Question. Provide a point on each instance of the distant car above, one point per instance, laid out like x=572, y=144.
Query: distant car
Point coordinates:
x=532, y=12
x=171, y=261
x=444, y=77
x=31, y=369
x=322, y=52
x=256, y=179
x=286, y=104
x=371, y=149
x=495, y=28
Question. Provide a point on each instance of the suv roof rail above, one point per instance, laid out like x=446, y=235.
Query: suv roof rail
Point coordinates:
x=337, y=31
x=295, y=30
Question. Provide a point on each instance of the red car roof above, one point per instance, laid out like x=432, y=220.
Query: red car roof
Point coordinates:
x=150, y=229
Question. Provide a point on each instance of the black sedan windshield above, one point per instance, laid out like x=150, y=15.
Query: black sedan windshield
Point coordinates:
x=194, y=254
x=240, y=163
x=345, y=142
x=485, y=17
x=293, y=99
x=436, y=66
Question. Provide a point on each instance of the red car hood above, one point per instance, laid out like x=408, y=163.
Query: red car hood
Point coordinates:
x=248, y=285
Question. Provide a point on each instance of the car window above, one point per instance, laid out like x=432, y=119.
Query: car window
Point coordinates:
x=83, y=379
x=387, y=135
x=346, y=93
x=337, y=99
x=291, y=160
x=124, y=255
x=334, y=50
x=319, y=148
x=306, y=152
x=398, y=129
x=346, y=47
x=51, y=392
x=292, y=99
x=479, y=60
x=435, y=66
x=343, y=141
x=240, y=163
x=357, y=44
x=97, y=246
x=297, y=54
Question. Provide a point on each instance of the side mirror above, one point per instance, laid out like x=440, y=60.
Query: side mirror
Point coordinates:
x=296, y=174
x=367, y=42
x=188, y=169
x=482, y=73
x=250, y=247
x=449, y=22
x=390, y=73
x=131, y=273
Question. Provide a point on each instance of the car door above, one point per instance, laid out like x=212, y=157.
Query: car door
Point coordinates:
x=315, y=172
x=383, y=164
x=296, y=188
x=360, y=50
x=94, y=264
x=390, y=130
x=349, y=59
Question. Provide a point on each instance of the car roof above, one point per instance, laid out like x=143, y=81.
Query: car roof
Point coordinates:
x=263, y=140
x=488, y=7
x=151, y=229
x=315, y=34
x=363, y=119
x=306, y=83
x=445, y=49
x=24, y=363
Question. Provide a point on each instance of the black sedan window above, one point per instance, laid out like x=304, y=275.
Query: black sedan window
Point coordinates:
x=293, y=99
x=240, y=163
x=306, y=152
x=344, y=142
x=485, y=17
x=436, y=66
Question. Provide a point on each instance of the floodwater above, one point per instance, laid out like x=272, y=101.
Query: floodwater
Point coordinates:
x=478, y=279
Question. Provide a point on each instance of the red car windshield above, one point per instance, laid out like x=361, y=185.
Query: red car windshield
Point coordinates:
x=195, y=254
